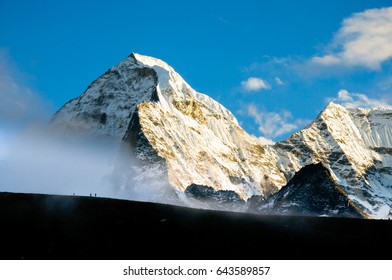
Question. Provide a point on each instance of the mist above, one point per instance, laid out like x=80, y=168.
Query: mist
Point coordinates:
x=39, y=160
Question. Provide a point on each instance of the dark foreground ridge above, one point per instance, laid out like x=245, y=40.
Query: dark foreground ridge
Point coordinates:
x=35, y=226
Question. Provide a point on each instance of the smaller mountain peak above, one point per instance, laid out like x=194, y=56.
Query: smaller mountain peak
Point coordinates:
x=332, y=108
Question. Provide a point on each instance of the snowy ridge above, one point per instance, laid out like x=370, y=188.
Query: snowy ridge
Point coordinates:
x=355, y=145
x=107, y=104
x=185, y=137
x=374, y=125
x=172, y=86
x=199, y=139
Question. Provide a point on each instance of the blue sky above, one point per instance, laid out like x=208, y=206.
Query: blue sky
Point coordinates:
x=274, y=64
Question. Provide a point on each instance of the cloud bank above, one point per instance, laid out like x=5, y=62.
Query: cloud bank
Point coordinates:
x=38, y=162
x=46, y=161
x=357, y=100
x=273, y=124
x=364, y=39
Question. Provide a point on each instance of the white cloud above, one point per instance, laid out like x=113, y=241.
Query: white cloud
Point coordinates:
x=356, y=100
x=273, y=124
x=364, y=39
x=255, y=84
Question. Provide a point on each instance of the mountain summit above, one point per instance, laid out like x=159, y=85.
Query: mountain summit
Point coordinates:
x=174, y=132
x=178, y=137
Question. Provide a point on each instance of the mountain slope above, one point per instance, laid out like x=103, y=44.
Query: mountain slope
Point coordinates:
x=172, y=137
x=176, y=135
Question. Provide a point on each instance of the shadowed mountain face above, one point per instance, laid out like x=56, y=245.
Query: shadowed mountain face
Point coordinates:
x=311, y=192
x=70, y=227
x=203, y=197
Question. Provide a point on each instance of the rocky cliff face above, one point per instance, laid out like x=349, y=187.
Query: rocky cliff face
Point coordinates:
x=178, y=137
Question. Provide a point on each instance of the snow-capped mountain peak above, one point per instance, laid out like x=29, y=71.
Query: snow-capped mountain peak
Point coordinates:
x=180, y=137
x=143, y=100
x=173, y=88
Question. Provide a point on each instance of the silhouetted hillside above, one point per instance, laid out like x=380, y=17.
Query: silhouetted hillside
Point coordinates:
x=71, y=227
